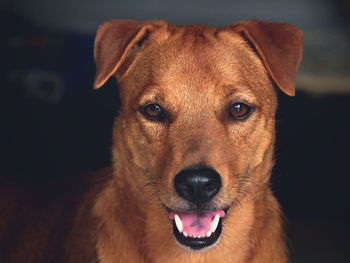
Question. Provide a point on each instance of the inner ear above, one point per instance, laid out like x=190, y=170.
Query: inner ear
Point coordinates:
x=144, y=38
x=130, y=57
x=131, y=54
x=254, y=49
x=250, y=43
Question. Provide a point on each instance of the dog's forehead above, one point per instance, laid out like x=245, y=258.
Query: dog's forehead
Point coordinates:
x=200, y=48
x=193, y=56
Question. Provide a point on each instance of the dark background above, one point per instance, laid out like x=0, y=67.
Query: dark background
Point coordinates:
x=53, y=123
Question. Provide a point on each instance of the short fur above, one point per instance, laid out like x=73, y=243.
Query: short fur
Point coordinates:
x=194, y=72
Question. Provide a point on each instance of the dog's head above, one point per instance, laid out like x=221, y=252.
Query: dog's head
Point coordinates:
x=195, y=131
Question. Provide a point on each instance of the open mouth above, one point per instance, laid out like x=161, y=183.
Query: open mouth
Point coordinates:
x=198, y=229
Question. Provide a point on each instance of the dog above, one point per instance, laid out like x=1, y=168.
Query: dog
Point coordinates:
x=192, y=152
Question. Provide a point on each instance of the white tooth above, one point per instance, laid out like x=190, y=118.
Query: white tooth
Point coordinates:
x=178, y=223
x=199, y=236
x=214, y=223
x=185, y=234
x=209, y=233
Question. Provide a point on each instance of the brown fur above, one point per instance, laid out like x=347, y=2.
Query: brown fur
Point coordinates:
x=194, y=72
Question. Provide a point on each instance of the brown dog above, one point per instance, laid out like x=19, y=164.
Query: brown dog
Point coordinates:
x=192, y=150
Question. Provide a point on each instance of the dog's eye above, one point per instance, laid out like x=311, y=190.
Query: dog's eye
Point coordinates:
x=153, y=112
x=240, y=111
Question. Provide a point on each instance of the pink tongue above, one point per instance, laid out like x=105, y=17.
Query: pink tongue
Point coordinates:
x=197, y=223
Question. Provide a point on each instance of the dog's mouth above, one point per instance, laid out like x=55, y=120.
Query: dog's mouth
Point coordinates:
x=198, y=229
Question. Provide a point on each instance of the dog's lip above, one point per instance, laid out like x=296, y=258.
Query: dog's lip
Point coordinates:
x=198, y=243
x=201, y=241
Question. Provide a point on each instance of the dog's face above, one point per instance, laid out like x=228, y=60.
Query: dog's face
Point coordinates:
x=196, y=122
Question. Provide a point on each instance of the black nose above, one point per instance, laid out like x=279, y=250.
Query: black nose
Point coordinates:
x=197, y=185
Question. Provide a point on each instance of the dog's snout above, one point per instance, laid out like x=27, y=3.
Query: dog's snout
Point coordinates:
x=198, y=185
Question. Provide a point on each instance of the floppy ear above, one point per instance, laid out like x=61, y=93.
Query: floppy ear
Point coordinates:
x=279, y=46
x=113, y=42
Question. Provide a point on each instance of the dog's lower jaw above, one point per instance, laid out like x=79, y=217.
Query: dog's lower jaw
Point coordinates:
x=256, y=222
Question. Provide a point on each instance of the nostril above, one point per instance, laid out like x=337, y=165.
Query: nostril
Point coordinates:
x=185, y=188
x=197, y=185
x=210, y=187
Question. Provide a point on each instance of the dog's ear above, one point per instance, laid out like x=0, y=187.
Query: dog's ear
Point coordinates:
x=279, y=46
x=113, y=42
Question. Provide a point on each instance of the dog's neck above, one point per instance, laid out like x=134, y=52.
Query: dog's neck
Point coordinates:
x=121, y=223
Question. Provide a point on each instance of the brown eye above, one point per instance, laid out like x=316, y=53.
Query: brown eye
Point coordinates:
x=240, y=111
x=153, y=112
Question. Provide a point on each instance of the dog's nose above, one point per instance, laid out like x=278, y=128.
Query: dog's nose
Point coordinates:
x=197, y=185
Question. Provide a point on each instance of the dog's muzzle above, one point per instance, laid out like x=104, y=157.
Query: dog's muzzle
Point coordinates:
x=199, y=228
